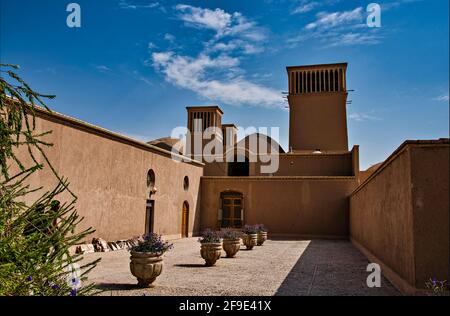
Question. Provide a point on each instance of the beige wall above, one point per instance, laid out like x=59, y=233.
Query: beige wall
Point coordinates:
x=318, y=121
x=312, y=165
x=296, y=206
x=216, y=169
x=430, y=202
x=301, y=164
x=108, y=174
x=400, y=216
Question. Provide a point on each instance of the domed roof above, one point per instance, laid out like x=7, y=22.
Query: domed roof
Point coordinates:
x=271, y=143
x=166, y=143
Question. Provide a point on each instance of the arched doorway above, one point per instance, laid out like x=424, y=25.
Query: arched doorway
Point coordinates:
x=232, y=210
x=185, y=220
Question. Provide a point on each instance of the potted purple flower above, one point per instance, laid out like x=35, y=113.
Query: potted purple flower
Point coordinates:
x=146, y=258
x=211, y=247
x=436, y=287
x=250, y=236
x=231, y=241
x=262, y=234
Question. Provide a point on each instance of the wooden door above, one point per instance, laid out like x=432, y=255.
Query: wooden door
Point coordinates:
x=185, y=220
x=232, y=207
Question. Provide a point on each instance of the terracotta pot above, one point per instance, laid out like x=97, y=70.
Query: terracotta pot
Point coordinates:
x=250, y=240
x=211, y=252
x=231, y=246
x=146, y=267
x=262, y=237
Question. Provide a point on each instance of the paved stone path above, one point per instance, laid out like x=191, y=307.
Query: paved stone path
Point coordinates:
x=279, y=267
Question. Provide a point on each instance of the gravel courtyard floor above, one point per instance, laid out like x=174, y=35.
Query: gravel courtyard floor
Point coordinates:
x=279, y=267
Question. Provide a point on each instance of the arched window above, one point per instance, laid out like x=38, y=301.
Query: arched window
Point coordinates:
x=150, y=179
x=186, y=183
x=232, y=210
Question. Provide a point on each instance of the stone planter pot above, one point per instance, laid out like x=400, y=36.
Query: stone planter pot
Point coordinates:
x=262, y=237
x=211, y=252
x=146, y=267
x=231, y=246
x=250, y=240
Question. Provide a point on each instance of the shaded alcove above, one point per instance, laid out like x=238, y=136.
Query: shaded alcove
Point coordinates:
x=238, y=169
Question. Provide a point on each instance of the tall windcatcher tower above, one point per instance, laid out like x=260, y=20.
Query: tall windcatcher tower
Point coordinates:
x=199, y=119
x=317, y=107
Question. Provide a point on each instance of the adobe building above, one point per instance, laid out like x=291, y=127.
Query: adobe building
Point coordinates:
x=307, y=196
x=396, y=213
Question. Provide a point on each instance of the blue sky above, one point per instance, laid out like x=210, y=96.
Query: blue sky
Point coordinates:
x=134, y=65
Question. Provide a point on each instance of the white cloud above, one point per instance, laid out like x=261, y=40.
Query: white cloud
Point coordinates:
x=215, y=73
x=223, y=23
x=355, y=39
x=305, y=7
x=161, y=58
x=395, y=4
x=200, y=75
x=340, y=28
x=442, y=98
x=123, y=4
x=102, y=68
x=363, y=117
x=169, y=37
x=262, y=76
x=326, y=20
x=217, y=19
x=235, y=45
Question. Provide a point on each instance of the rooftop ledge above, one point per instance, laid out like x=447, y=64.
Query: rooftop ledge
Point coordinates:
x=76, y=123
x=278, y=178
x=317, y=66
x=407, y=143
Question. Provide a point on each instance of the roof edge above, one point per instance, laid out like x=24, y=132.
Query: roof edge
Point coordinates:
x=398, y=152
x=105, y=132
x=316, y=66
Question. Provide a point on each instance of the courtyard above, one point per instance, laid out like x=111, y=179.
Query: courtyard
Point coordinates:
x=279, y=267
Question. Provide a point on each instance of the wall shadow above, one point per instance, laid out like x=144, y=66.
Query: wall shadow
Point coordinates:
x=190, y=265
x=331, y=268
x=197, y=217
x=117, y=286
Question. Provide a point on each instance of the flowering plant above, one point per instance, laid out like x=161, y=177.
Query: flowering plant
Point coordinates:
x=250, y=229
x=152, y=243
x=230, y=234
x=437, y=287
x=261, y=228
x=209, y=236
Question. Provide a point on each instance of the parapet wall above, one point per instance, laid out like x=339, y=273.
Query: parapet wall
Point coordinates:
x=331, y=164
x=399, y=216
